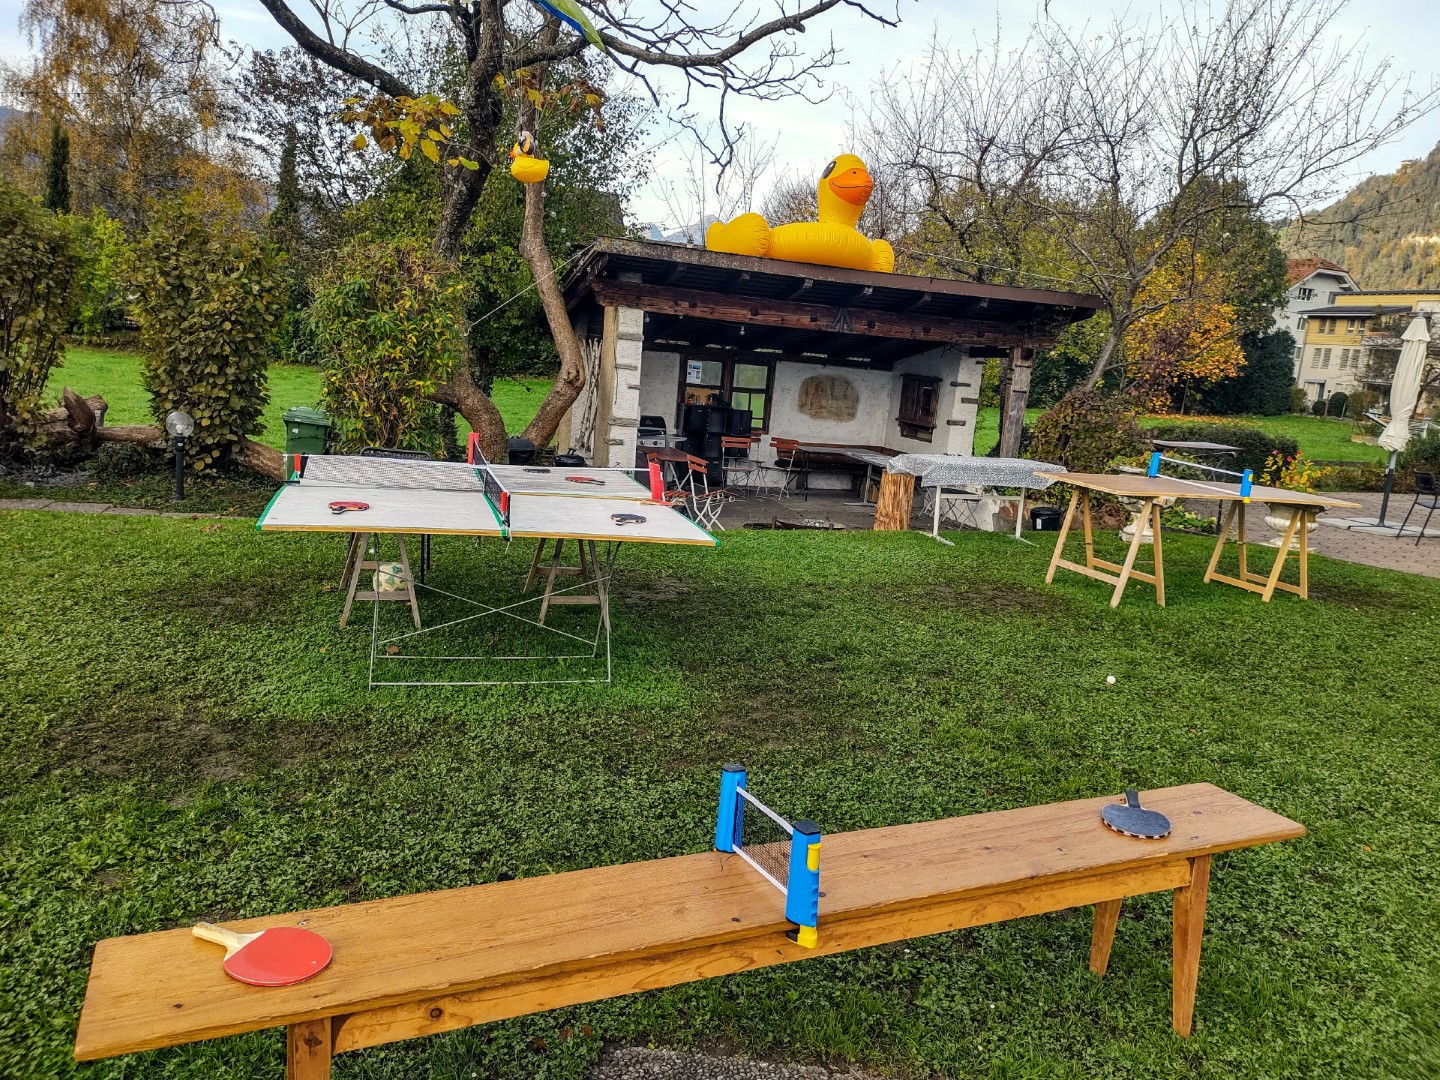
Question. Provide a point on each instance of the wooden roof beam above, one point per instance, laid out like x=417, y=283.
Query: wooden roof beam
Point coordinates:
x=789, y=315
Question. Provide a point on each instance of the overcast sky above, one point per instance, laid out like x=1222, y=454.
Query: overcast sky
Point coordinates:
x=1406, y=30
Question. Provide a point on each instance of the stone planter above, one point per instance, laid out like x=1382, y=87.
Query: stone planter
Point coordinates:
x=1127, y=533
x=1278, y=518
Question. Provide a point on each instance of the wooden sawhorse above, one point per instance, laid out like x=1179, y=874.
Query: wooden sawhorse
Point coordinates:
x=419, y=965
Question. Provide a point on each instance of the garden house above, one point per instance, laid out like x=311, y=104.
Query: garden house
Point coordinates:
x=812, y=353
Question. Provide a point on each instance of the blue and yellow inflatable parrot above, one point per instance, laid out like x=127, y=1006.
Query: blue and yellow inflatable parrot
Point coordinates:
x=567, y=11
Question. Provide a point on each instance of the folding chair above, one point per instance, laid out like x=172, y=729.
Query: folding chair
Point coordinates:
x=1427, y=497
x=741, y=470
x=790, y=461
x=703, y=504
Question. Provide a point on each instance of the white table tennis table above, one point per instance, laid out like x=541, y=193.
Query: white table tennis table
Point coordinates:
x=593, y=508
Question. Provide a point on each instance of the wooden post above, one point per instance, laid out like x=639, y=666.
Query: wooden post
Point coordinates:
x=1107, y=914
x=308, y=1047
x=1189, y=927
x=892, y=509
x=1015, y=394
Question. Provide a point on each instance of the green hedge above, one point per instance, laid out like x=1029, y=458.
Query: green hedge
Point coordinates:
x=1255, y=445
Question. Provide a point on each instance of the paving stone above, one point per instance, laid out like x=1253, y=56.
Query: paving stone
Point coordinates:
x=78, y=507
x=24, y=504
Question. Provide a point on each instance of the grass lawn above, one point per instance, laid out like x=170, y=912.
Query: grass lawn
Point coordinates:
x=1320, y=439
x=184, y=734
x=116, y=376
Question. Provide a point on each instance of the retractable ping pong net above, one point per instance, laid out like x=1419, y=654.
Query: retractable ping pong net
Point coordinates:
x=371, y=499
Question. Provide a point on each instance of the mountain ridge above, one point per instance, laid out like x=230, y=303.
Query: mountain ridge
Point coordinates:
x=1385, y=231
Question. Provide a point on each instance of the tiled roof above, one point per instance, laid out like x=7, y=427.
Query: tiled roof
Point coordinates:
x=1297, y=270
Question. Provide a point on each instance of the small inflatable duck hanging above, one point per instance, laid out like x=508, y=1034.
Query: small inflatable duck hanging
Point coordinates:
x=524, y=165
x=833, y=240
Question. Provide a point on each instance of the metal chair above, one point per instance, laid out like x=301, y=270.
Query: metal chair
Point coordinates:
x=1427, y=497
x=790, y=460
x=704, y=504
x=741, y=470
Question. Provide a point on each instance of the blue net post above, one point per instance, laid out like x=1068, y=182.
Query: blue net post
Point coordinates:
x=1247, y=479
x=732, y=778
x=802, y=890
x=1154, y=469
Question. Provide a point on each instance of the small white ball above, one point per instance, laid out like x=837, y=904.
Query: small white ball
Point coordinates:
x=1110, y=680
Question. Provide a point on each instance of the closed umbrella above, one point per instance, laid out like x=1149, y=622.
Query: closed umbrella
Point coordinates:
x=1404, y=393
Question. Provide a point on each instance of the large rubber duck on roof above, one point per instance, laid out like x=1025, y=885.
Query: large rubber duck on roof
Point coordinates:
x=842, y=191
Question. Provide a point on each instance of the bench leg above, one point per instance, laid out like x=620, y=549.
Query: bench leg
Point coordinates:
x=307, y=1050
x=1189, y=926
x=1107, y=914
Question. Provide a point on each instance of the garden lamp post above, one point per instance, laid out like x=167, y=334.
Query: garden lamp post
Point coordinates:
x=179, y=424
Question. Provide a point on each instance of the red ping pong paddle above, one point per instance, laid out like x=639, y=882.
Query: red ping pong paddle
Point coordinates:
x=583, y=480
x=340, y=506
x=276, y=957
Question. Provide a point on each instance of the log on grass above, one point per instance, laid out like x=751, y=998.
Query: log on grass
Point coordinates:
x=139, y=434
x=265, y=460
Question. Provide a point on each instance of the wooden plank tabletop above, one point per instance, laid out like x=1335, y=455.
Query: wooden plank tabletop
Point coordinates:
x=166, y=988
x=1138, y=486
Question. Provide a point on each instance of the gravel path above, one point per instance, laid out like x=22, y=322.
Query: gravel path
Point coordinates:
x=643, y=1063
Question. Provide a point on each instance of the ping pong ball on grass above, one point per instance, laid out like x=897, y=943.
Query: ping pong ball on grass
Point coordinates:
x=1109, y=680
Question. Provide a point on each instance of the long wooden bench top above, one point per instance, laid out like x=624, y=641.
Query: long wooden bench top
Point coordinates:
x=707, y=914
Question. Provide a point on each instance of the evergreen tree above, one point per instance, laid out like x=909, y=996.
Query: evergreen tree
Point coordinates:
x=285, y=217
x=1263, y=386
x=57, y=171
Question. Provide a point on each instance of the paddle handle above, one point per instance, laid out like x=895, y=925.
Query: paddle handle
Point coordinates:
x=1132, y=798
x=218, y=935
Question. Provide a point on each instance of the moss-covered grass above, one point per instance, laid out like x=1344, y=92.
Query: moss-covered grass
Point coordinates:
x=185, y=733
x=115, y=375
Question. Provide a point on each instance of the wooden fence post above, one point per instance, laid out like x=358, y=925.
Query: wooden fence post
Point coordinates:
x=892, y=508
x=1013, y=400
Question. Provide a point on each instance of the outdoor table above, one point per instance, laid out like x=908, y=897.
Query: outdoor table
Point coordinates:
x=1151, y=491
x=940, y=471
x=870, y=456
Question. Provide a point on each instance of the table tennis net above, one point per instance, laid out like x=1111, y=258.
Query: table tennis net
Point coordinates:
x=344, y=471
x=762, y=839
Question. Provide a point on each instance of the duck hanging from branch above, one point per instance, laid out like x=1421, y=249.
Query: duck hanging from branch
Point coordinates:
x=524, y=165
x=841, y=194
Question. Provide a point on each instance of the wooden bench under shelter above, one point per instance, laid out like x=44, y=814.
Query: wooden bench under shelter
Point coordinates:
x=433, y=962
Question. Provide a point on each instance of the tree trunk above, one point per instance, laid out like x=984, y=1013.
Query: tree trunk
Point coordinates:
x=466, y=398
x=571, y=377
x=138, y=434
x=1102, y=361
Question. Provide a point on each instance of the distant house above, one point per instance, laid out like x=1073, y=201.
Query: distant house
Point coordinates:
x=1314, y=283
x=1338, y=339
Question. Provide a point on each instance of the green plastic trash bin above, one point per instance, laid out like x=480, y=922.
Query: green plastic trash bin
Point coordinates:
x=306, y=430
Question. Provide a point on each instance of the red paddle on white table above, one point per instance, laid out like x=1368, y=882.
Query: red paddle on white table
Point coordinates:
x=276, y=957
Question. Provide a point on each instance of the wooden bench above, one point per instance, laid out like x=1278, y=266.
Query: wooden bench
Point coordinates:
x=417, y=965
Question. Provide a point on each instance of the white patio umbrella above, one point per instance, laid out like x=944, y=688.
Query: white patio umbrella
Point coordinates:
x=1404, y=393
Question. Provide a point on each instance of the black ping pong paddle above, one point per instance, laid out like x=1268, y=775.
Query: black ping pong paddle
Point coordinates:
x=627, y=519
x=1132, y=819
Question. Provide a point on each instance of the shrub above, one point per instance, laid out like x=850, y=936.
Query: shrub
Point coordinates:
x=387, y=318
x=1318, y=406
x=208, y=302
x=1255, y=446
x=1360, y=402
x=1087, y=430
x=100, y=307
x=1338, y=401
x=1423, y=454
x=1297, y=399
x=1263, y=386
x=38, y=264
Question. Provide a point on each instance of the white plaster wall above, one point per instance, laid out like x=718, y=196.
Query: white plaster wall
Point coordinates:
x=620, y=434
x=874, y=423
x=659, y=385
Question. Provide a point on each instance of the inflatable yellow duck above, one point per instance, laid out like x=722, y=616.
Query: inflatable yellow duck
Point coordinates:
x=833, y=240
x=524, y=165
